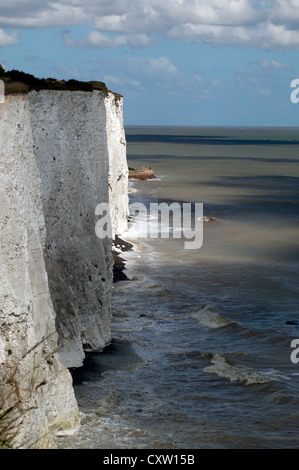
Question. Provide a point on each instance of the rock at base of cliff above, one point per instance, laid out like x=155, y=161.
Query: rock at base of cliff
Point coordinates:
x=143, y=173
x=120, y=246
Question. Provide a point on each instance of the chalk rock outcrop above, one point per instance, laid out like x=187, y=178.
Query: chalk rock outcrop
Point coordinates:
x=59, y=150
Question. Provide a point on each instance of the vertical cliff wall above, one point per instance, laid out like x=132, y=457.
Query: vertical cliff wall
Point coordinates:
x=71, y=150
x=62, y=153
x=31, y=375
x=118, y=169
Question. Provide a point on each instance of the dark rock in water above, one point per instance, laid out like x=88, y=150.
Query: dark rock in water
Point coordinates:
x=118, y=269
x=122, y=245
x=143, y=173
x=292, y=322
x=119, y=262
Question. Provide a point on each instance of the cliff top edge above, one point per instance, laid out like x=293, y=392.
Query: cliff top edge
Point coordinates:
x=21, y=82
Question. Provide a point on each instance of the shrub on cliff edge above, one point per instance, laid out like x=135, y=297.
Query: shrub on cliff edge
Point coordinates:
x=21, y=82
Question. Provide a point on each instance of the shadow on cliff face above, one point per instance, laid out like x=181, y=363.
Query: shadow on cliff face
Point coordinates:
x=117, y=356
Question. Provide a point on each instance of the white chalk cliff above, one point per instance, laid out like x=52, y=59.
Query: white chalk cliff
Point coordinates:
x=61, y=154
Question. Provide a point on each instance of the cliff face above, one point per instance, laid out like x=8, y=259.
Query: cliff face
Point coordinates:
x=62, y=153
x=118, y=169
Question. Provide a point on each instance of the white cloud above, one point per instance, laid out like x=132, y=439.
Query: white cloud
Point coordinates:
x=111, y=79
x=150, y=66
x=154, y=15
x=8, y=39
x=210, y=12
x=269, y=24
x=280, y=37
x=210, y=34
x=271, y=65
x=140, y=19
x=163, y=75
x=263, y=36
x=285, y=12
x=129, y=82
x=38, y=14
x=99, y=40
x=95, y=39
x=264, y=91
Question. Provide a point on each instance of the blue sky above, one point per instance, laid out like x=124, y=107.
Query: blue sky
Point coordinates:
x=176, y=62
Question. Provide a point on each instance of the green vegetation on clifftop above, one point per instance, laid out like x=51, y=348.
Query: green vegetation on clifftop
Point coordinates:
x=21, y=82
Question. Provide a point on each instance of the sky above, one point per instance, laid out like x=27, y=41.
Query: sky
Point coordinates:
x=176, y=62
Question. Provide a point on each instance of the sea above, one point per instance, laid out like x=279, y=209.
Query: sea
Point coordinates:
x=203, y=351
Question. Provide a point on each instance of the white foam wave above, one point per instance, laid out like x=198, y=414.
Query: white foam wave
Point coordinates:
x=157, y=178
x=207, y=219
x=210, y=318
x=233, y=372
x=132, y=187
x=133, y=190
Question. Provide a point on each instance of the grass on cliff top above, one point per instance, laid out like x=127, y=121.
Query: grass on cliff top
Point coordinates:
x=21, y=82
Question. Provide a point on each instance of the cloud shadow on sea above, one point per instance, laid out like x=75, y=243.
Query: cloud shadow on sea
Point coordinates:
x=221, y=158
x=205, y=140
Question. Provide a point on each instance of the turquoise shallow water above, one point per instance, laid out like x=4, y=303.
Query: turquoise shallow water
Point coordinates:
x=200, y=356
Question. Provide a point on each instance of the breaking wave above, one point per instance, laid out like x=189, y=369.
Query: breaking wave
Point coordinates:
x=234, y=372
x=210, y=318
